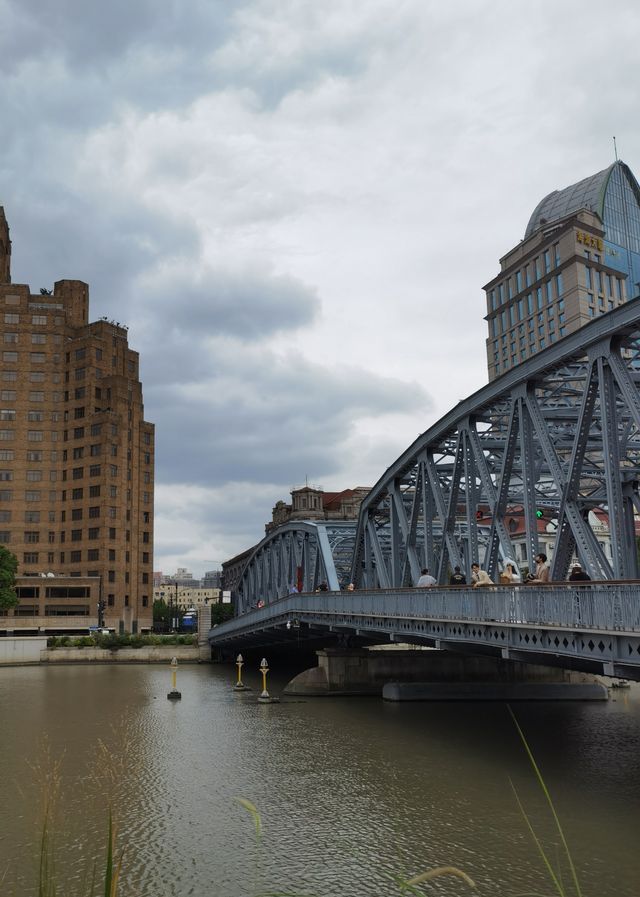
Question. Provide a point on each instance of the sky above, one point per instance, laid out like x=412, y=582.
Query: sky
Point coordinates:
x=294, y=206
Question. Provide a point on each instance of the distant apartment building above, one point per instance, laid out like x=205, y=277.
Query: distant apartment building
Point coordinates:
x=186, y=597
x=580, y=258
x=76, y=454
x=212, y=579
x=183, y=577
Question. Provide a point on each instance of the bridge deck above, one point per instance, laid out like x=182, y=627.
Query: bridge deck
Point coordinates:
x=595, y=627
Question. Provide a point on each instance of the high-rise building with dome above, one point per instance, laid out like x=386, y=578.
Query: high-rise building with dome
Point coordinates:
x=580, y=258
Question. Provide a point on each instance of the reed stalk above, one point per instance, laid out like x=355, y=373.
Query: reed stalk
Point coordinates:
x=556, y=876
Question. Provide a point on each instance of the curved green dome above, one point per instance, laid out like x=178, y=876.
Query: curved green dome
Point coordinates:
x=611, y=193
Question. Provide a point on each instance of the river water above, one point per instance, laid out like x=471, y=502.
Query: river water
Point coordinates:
x=352, y=793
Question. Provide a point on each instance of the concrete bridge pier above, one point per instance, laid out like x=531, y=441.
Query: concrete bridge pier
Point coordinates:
x=434, y=675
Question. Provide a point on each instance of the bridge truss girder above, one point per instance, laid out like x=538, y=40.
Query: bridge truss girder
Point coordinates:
x=301, y=553
x=560, y=432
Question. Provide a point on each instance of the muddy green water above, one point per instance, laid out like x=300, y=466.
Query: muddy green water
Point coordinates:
x=352, y=792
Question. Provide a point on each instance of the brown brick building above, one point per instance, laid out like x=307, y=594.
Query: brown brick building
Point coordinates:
x=76, y=455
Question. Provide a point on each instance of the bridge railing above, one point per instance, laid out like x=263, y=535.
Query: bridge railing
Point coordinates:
x=603, y=606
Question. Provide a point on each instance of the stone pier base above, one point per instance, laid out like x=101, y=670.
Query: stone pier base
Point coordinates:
x=425, y=675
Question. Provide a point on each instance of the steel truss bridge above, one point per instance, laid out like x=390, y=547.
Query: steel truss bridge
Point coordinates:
x=300, y=553
x=560, y=431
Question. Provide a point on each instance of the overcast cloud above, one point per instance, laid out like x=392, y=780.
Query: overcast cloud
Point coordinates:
x=294, y=206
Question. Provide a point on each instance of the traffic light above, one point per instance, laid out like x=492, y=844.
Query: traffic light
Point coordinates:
x=539, y=513
x=479, y=515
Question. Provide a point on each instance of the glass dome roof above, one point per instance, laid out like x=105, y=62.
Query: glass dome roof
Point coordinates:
x=586, y=194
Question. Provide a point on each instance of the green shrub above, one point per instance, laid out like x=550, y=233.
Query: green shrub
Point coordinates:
x=112, y=641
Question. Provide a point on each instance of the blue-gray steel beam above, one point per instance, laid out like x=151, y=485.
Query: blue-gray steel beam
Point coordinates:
x=435, y=489
x=451, y=552
x=528, y=474
x=611, y=453
x=503, y=475
x=567, y=539
x=581, y=530
x=471, y=505
x=499, y=536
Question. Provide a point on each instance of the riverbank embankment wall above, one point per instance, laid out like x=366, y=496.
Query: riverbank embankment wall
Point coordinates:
x=33, y=650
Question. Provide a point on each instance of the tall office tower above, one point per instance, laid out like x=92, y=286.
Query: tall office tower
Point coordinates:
x=76, y=455
x=580, y=257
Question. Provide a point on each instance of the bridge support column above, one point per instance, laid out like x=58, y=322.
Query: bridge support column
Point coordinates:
x=439, y=675
x=204, y=625
x=339, y=672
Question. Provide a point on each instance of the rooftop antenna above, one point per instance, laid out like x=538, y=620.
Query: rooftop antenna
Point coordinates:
x=615, y=148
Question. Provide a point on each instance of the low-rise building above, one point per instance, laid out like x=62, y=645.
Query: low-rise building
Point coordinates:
x=54, y=605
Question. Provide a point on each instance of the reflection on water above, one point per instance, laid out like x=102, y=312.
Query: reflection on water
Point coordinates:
x=352, y=792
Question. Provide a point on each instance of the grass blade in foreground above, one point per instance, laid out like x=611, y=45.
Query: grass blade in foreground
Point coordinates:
x=545, y=791
x=251, y=808
x=437, y=872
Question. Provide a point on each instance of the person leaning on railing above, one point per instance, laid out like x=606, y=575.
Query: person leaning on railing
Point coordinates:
x=480, y=577
x=542, y=570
